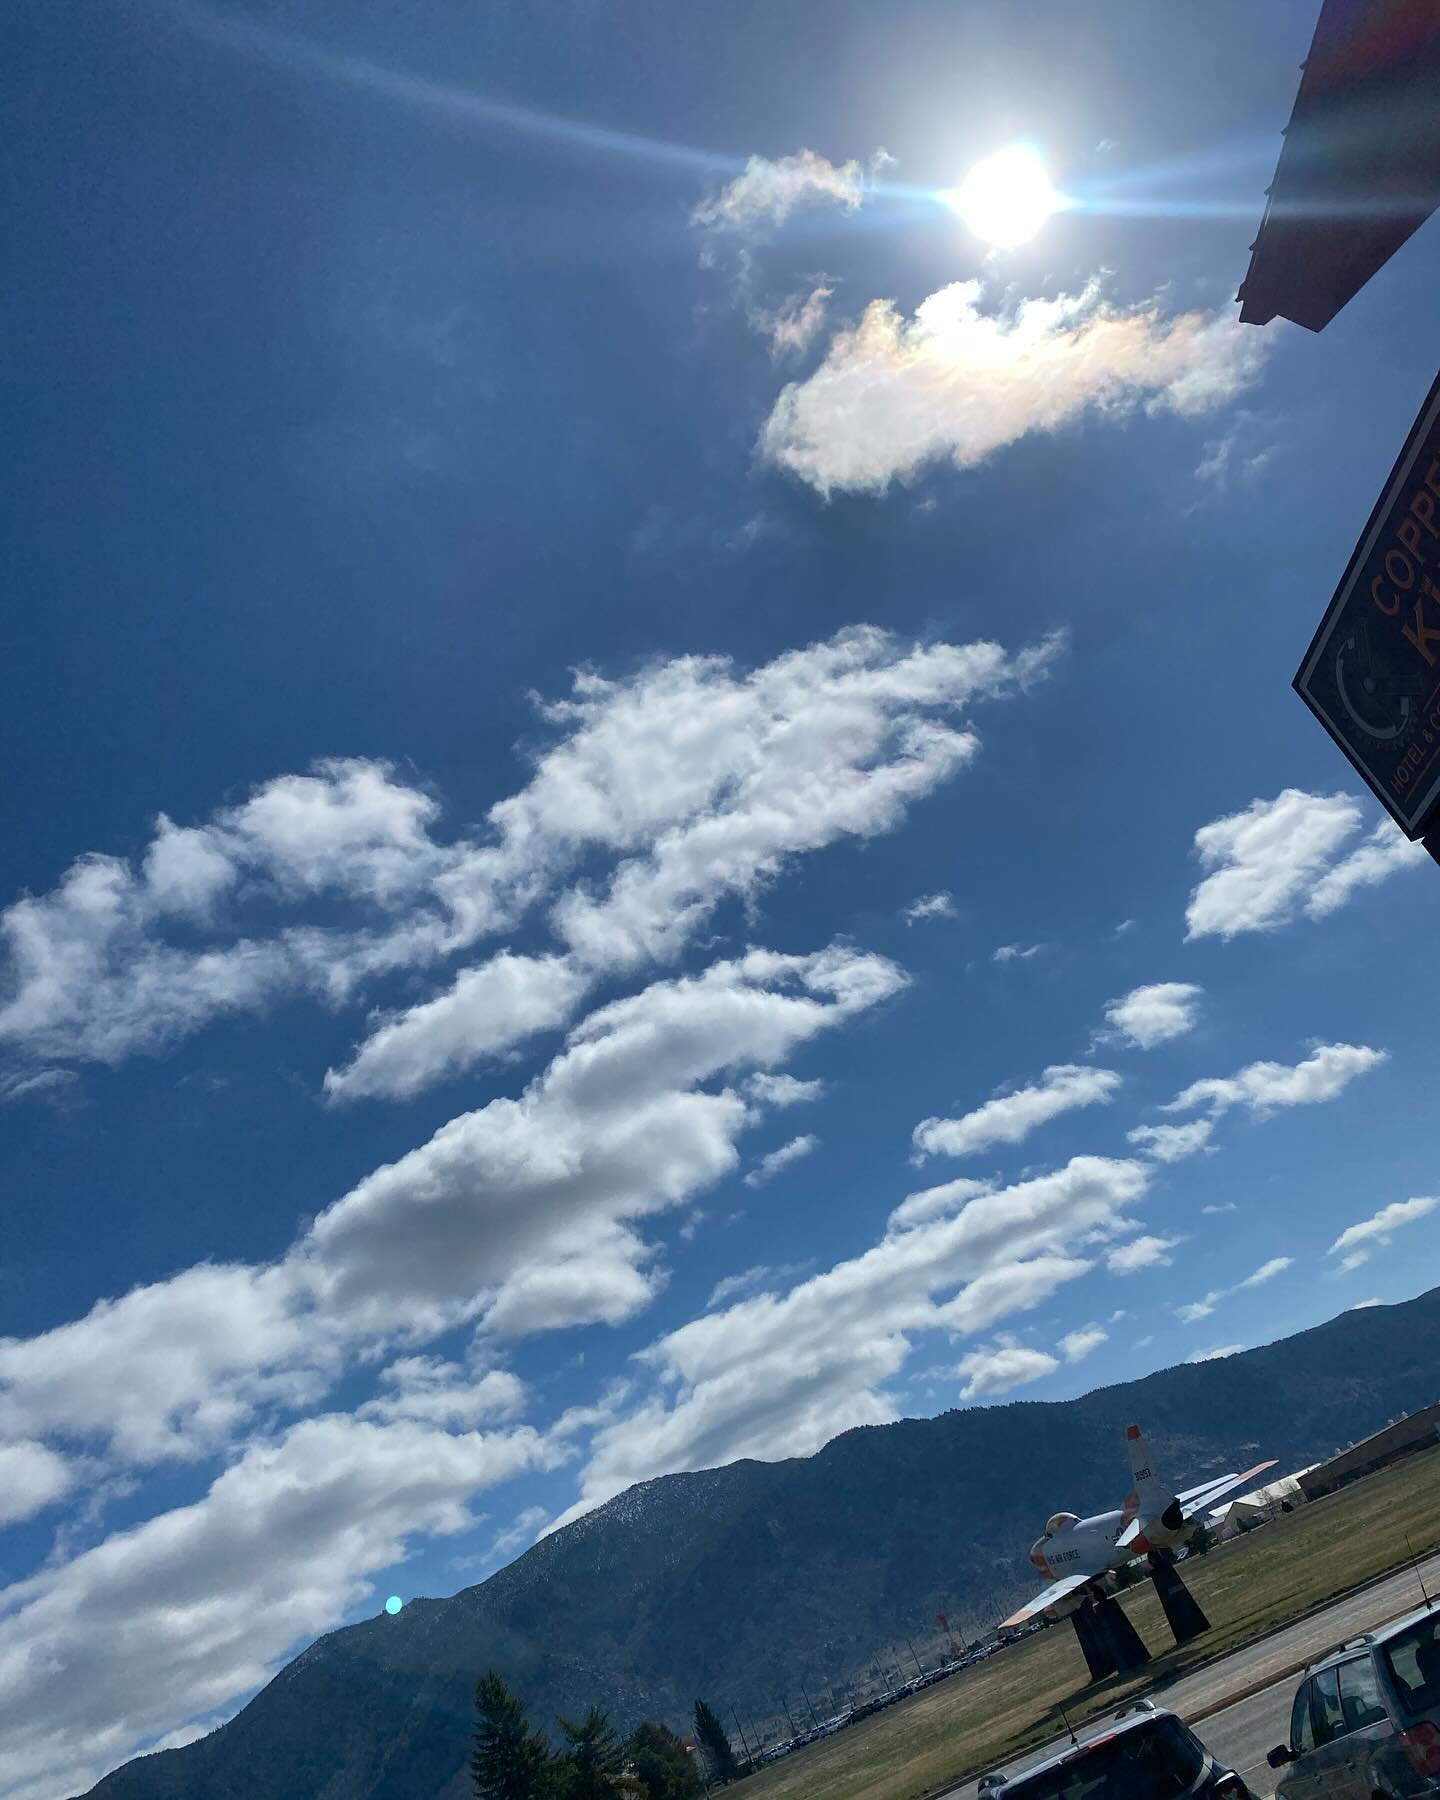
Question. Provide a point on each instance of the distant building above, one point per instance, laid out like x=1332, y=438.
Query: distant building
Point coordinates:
x=1258, y=1506
x=1360, y=167
x=1417, y=1431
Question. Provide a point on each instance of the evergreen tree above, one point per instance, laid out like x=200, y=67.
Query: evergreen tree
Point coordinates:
x=595, y=1760
x=710, y=1735
x=510, y=1761
x=664, y=1768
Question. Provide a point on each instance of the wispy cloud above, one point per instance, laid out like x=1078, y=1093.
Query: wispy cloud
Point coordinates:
x=1262, y=1087
x=768, y=191
x=1280, y=857
x=1355, y=1243
x=930, y=906
x=1000, y=1367
x=1173, y=1143
x=1146, y=1252
x=1010, y=1118
x=770, y=1166
x=1196, y=1310
x=794, y=325
x=962, y=379
x=1076, y=1345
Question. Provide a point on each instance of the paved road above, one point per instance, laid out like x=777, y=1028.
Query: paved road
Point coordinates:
x=1241, y=1733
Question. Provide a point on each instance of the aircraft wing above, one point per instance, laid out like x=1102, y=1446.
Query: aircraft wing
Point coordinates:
x=1056, y=1591
x=1211, y=1493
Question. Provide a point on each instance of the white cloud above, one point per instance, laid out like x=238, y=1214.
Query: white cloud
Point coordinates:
x=1281, y=856
x=769, y=1166
x=1172, y=1143
x=1141, y=1253
x=779, y=1375
x=793, y=326
x=1226, y=1206
x=930, y=906
x=1262, y=860
x=958, y=383
x=520, y=1215
x=1152, y=1015
x=768, y=191
x=1378, y=1227
x=487, y=1009
x=618, y=1127
x=1267, y=1271
x=1364, y=1305
x=173, y=1369
x=207, y=1598
x=1215, y=1353
x=1355, y=1260
x=782, y=1090
x=523, y=1529
x=1384, y=853
x=752, y=1281
x=706, y=784
x=936, y=1202
x=31, y=1477
x=1076, y=1345
x=692, y=781
x=1015, y=952
x=1195, y=1310
x=1263, y=1086
x=444, y=1394
x=45, y=1084
x=1010, y=1118
x=1001, y=1367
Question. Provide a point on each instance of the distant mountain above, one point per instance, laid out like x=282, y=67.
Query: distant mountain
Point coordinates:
x=737, y=1582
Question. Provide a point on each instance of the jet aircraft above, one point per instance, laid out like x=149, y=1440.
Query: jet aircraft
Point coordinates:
x=1080, y=1553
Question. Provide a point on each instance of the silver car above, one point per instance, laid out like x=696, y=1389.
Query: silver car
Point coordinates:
x=1366, y=1720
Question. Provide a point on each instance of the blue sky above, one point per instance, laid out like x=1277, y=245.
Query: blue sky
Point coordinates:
x=603, y=705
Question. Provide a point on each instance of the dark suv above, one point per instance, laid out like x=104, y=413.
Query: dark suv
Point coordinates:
x=1144, y=1753
x=1366, y=1719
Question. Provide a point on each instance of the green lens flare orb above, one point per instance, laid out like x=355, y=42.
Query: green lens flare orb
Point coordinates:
x=393, y=1605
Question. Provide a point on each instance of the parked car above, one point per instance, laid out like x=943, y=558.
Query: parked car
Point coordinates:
x=1143, y=1753
x=1366, y=1717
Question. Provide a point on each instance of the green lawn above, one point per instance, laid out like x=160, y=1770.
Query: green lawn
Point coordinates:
x=962, y=1725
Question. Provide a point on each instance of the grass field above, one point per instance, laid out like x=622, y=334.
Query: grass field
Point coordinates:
x=1255, y=1581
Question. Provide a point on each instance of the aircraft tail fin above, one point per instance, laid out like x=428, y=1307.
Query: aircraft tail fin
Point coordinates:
x=1148, y=1493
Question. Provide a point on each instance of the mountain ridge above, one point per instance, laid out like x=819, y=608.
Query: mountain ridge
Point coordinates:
x=736, y=1581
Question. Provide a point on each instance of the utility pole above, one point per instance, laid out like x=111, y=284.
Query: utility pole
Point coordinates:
x=741, y=1729
x=811, y=1704
x=915, y=1659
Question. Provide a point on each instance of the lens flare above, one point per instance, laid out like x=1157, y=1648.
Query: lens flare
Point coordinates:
x=393, y=1605
x=1006, y=198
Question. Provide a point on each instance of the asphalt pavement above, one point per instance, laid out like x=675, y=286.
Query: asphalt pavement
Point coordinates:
x=1239, y=1731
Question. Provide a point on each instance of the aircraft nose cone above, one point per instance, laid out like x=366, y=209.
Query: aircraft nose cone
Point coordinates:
x=1037, y=1553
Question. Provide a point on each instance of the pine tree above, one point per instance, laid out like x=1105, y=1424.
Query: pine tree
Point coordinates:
x=664, y=1768
x=710, y=1735
x=595, y=1760
x=510, y=1762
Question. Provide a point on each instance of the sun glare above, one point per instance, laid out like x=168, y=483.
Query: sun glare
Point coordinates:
x=1006, y=197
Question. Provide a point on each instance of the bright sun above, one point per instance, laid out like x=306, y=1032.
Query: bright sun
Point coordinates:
x=1006, y=198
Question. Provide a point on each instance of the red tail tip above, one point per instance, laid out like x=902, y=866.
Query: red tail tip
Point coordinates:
x=1132, y=1431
